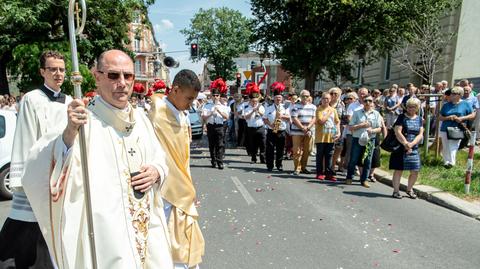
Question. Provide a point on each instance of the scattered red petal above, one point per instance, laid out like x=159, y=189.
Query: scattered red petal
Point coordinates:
x=259, y=190
x=396, y=251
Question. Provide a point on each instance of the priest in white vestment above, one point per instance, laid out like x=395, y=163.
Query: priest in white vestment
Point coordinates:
x=123, y=154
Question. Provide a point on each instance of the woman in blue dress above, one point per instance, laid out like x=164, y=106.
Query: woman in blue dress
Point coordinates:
x=409, y=132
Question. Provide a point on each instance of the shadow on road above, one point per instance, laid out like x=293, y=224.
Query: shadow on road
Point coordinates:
x=367, y=194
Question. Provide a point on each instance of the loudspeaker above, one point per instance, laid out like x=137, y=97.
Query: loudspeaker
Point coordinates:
x=170, y=62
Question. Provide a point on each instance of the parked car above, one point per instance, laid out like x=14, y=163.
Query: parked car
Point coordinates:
x=195, y=123
x=8, y=120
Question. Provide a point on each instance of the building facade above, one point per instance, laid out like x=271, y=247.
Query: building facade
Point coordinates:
x=461, y=55
x=148, y=55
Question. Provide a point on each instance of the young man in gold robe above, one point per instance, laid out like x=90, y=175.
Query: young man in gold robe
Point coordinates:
x=169, y=116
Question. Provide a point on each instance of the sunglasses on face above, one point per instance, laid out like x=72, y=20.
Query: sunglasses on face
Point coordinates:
x=349, y=98
x=55, y=69
x=369, y=101
x=215, y=95
x=116, y=75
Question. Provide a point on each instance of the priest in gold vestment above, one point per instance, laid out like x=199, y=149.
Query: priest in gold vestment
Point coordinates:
x=126, y=169
x=170, y=121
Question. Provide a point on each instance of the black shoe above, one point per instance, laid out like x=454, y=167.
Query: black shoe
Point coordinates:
x=305, y=171
x=269, y=169
x=280, y=168
x=213, y=164
x=220, y=166
x=262, y=160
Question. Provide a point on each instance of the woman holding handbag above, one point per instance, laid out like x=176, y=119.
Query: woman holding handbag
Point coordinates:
x=409, y=132
x=453, y=115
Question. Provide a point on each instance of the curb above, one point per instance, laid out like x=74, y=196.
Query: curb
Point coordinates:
x=433, y=195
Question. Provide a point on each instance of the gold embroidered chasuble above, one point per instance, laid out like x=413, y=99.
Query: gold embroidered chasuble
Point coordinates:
x=186, y=237
x=130, y=232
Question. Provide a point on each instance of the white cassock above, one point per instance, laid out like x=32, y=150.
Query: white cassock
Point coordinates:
x=129, y=232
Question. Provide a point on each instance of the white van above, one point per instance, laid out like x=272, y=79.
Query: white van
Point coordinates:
x=8, y=120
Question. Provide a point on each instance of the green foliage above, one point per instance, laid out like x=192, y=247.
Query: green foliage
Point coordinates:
x=39, y=25
x=313, y=36
x=25, y=65
x=222, y=34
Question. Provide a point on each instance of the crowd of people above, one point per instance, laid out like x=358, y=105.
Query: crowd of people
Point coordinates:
x=343, y=128
x=10, y=102
x=138, y=156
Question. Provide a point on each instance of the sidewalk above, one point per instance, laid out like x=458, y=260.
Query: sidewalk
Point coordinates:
x=434, y=195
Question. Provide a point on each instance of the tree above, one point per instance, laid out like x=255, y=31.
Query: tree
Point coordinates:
x=425, y=55
x=311, y=37
x=37, y=24
x=221, y=34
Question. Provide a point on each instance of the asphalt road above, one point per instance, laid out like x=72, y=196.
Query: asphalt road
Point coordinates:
x=254, y=219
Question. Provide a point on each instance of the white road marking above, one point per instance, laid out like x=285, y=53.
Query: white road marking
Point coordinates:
x=243, y=191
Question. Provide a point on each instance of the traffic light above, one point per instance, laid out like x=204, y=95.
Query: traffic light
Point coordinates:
x=239, y=77
x=194, y=50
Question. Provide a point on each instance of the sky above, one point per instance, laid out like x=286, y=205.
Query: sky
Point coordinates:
x=169, y=17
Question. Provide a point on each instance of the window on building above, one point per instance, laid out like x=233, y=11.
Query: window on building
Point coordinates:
x=138, y=67
x=137, y=17
x=388, y=66
x=136, y=44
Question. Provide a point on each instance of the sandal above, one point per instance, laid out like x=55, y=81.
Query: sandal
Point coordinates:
x=411, y=194
x=397, y=195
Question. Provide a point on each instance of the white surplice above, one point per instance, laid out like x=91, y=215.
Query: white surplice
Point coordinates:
x=129, y=232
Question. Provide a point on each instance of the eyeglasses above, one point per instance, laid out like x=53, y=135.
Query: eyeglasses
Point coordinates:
x=349, y=98
x=369, y=101
x=116, y=75
x=52, y=70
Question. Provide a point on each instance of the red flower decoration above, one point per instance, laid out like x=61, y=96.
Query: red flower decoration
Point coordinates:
x=219, y=84
x=158, y=85
x=139, y=88
x=91, y=94
x=252, y=88
x=277, y=86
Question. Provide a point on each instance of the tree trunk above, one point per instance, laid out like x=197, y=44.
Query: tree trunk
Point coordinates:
x=310, y=81
x=3, y=72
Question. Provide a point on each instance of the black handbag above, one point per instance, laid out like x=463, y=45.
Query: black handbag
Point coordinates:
x=390, y=143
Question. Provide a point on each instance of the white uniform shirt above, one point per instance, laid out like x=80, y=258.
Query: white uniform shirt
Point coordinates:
x=256, y=119
x=240, y=109
x=216, y=118
x=271, y=112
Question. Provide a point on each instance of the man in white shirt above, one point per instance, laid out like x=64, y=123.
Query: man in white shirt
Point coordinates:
x=41, y=111
x=214, y=114
x=253, y=114
x=303, y=120
x=276, y=118
x=355, y=106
